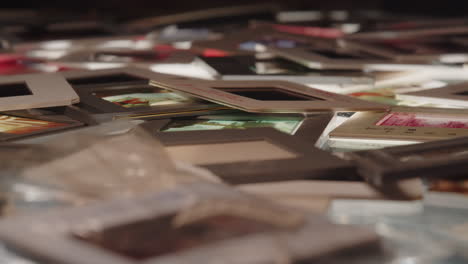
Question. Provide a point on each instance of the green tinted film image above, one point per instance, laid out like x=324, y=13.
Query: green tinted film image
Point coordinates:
x=286, y=126
x=131, y=100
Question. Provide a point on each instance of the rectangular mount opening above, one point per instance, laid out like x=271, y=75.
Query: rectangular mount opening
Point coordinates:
x=335, y=55
x=14, y=89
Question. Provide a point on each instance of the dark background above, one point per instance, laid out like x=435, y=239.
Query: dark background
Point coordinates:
x=136, y=8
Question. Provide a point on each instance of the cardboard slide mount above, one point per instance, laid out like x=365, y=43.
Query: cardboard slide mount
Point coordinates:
x=350, y=59
x=387, y=169
x=86, y=83
x=27, y=91
x=437, y=159
x=315, y=59
x=240, y=68
x=310, y=129
x=67, y=121
x=268, y=96
x=454, y=95
x=102, y=110
x=113, y=77
x=306, y=161
x=364, y=125
x=401, y=56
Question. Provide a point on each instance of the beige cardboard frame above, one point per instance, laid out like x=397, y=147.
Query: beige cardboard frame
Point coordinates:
x=210, y=91
x=308, y=162
x=394, y=166
x=309, y=130
x=317, y=61
x=87, y=82
x=410, y=161
x=447, y=95
x=47, y=90
x=239, y=70
x=396, y=56
x=363, y=125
